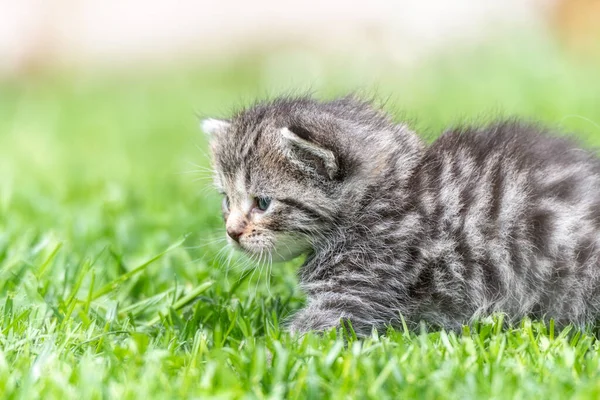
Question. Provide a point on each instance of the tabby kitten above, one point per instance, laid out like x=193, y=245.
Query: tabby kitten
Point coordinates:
x=500, y=218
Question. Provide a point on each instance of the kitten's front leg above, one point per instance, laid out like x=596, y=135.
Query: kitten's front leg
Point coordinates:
x=317, y=318
x=314, y=319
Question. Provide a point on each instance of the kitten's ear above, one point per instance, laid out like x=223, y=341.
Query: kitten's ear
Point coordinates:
x=299, y=138
x=212, y=126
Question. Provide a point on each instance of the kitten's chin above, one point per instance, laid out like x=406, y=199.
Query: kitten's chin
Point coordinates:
x=288, y=248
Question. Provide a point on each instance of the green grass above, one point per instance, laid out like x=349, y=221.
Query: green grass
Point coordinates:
x=112, y=279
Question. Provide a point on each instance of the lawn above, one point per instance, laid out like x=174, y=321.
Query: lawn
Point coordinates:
x=113, y=278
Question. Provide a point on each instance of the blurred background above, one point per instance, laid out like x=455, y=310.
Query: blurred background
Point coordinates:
x=40, y=34
x=99, y=100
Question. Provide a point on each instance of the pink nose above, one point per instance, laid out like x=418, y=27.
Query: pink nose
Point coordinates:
x=235, y=233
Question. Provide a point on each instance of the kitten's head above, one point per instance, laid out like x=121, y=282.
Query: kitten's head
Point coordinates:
x=289, y=167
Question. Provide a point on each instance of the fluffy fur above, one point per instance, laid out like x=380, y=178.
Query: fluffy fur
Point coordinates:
x=501, y=218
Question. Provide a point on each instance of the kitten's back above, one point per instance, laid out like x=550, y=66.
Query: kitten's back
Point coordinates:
x=513, y=215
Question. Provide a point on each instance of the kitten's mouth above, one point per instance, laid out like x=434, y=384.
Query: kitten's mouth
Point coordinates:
x=280, y=251
x=257, y=255
x=246, y=249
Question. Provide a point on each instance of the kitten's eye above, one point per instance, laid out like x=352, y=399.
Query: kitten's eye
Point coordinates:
x=263, y=203
x=225, y=204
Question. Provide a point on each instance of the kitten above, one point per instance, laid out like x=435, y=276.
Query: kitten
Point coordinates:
x=500, y=218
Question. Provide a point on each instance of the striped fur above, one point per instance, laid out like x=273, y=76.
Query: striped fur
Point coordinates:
x=500, y=218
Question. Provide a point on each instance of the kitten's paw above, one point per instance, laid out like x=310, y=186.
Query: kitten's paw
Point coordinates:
x=311, y=320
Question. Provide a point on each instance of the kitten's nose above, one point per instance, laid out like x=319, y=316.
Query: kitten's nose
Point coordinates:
x=235, y=225
x=235, y=232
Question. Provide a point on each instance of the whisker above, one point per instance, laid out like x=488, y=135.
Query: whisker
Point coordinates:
x=201, y=167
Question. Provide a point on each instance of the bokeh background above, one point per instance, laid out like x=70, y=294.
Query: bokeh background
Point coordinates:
x=37, y=34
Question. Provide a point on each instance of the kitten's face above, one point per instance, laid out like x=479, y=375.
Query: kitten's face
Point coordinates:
x=258, y=221
x=271, y=210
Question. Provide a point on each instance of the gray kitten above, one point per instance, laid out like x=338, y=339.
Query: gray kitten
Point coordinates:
x=500, y=218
